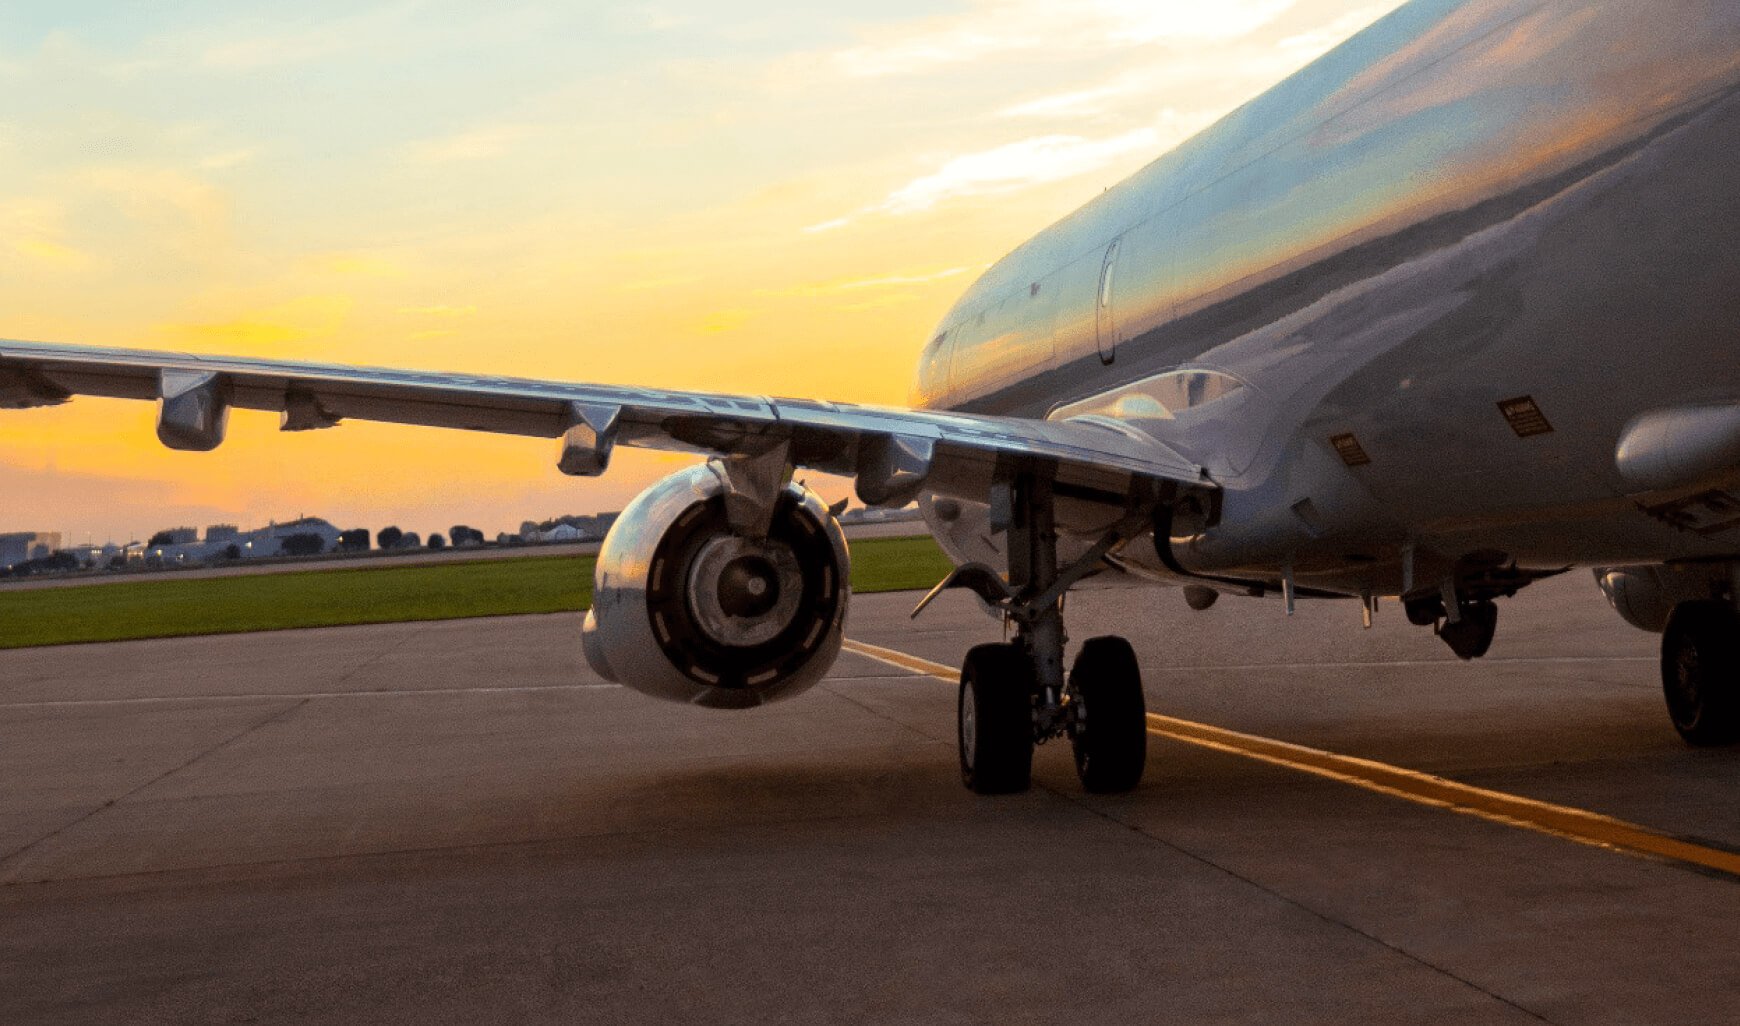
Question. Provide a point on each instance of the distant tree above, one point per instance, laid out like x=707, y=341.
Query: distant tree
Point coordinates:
x=118, y=563
x=54, y=562
x=354, y=541
x=161, y=538
x=232, y=551
x=302, y=545
x=437, y=542
x=410, y=540
x=388, y=538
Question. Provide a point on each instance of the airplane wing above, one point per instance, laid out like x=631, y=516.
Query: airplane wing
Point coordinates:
x=893, y=453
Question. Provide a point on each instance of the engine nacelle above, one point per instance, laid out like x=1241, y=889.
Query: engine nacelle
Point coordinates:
x=688, y=610
x=1646, y=595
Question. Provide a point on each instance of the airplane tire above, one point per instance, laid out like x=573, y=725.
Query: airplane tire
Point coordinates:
x=1700, y=672
x=1110, y=731
x=1471, y=636
x=995, y=720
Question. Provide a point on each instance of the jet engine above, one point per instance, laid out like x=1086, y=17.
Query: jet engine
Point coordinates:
x=687, y=608
x=1646, y=595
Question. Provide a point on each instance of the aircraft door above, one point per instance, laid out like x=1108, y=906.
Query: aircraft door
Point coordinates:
x=1105, y=322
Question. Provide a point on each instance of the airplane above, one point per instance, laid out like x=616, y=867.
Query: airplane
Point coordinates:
x=1451, y=310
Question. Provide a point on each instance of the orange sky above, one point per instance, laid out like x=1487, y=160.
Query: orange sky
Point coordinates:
x=768, y=200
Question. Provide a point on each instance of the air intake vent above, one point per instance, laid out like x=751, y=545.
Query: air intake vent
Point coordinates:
x=1525, y=418
x=1351, y=452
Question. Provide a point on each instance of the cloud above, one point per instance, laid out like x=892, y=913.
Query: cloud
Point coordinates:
x=722, y=322
x=850, y=285
x=34, y=229
x=1214, y=78
x=1321, y=39
x=1075, y=104
x=649, y=18
x=658, y=284
x=476, y=144
x=228, y=159
x=1005, y=169
x=1016, y=28
x=361, y=265
x=882, y=302
x=267, y=51
x=295, y=320
x=438, y=311
x=164, y=198
x=277, y=45
x=53, y=255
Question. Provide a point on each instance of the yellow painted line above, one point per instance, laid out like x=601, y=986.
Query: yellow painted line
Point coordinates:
x=905, y=662
x=1562, y=821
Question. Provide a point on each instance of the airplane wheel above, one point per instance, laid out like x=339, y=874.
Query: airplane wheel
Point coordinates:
x=1110, y=725
x=1700, y=672
x=1471, y=636
x=995, y=718
x=1424, y=612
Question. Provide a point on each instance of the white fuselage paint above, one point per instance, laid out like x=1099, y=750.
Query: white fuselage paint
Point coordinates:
x=1327, y=298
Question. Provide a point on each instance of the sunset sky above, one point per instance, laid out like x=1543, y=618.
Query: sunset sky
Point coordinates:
x=759, y=197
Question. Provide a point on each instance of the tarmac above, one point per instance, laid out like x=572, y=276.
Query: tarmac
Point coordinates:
x=457, y=822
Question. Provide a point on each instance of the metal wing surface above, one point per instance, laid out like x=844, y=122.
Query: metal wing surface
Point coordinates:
x=893, y=452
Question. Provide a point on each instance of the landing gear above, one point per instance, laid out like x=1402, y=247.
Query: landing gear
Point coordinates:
x=1014, y=696
x=1424, y=612
x=1109, y=717
x=1700, y=671
x=996, y=720
x=1471, y=635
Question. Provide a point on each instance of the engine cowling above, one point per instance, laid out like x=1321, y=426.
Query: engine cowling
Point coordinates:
x=1646, y=595
x=686, y=609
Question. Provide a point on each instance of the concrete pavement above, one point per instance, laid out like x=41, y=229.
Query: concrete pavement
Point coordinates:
x=457, y=822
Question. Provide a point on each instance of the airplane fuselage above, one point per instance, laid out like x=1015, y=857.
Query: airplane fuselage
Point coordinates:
x=1403, y=307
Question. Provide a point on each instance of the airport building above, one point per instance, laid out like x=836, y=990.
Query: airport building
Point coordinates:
x=568, y=528
x=19, y=546
x=225, y=542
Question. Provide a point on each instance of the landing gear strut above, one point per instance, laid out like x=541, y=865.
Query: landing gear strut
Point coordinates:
x=1015, y=695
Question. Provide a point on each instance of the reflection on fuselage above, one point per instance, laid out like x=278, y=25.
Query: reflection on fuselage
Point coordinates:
x=1469, y=202
x=1435, y=110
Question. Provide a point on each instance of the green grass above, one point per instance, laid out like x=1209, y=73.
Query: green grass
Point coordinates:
x=372, y=594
